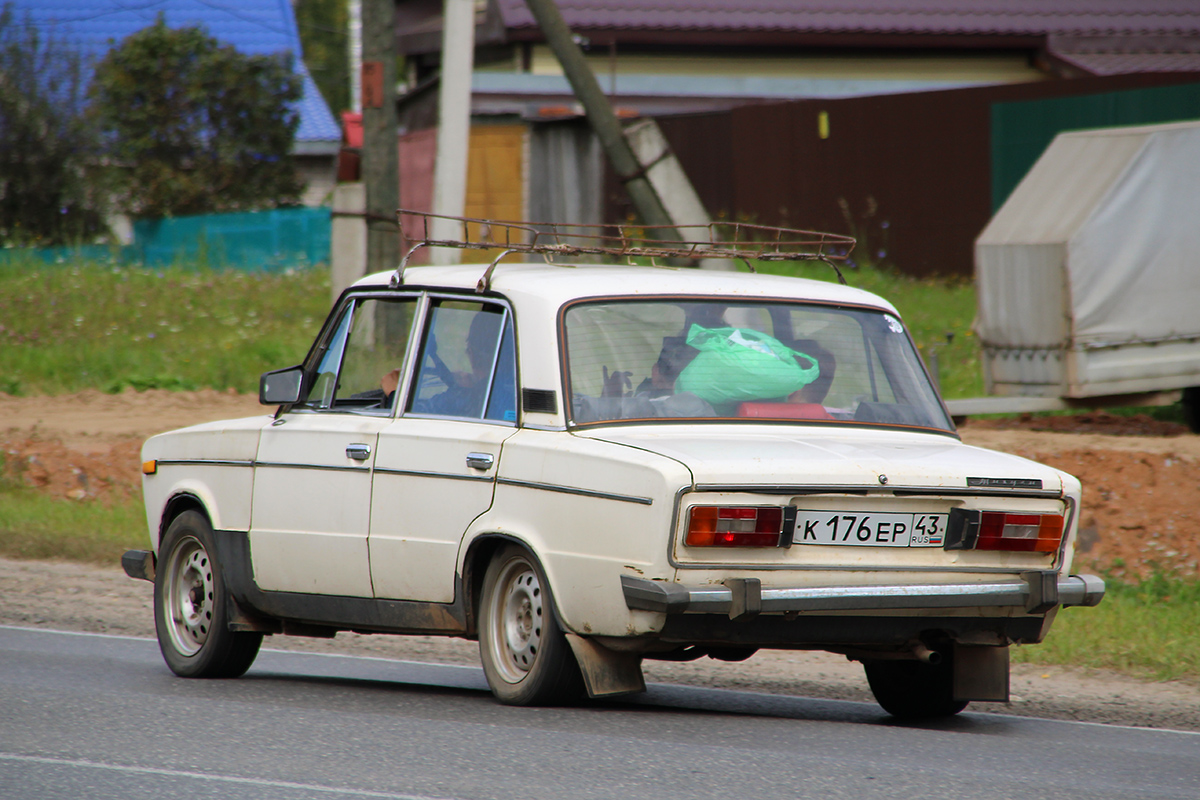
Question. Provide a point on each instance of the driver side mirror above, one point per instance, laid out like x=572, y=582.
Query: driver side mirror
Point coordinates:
x=281, y=386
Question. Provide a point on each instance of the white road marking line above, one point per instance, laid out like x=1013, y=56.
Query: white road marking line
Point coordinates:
x=171, y=773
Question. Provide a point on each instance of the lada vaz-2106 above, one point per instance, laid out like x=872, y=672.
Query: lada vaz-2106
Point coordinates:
x=586, y=467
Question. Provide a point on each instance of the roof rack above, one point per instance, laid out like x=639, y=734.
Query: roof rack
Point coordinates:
x=726, y=240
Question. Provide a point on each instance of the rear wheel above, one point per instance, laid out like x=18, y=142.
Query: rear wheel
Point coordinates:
x=190, y=607
x=524, y=652
x=914, y=689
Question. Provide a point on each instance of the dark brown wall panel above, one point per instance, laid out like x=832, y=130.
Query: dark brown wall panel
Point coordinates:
x=923, y=161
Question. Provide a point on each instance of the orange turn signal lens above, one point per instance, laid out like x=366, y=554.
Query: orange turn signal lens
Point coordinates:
x=150, y=467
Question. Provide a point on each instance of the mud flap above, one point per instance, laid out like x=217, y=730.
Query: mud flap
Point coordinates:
x=607, y=672
x=139, y=564
x=980, y=673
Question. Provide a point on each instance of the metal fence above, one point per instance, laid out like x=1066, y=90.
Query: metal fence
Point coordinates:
x=914, y=176
x=284, y=238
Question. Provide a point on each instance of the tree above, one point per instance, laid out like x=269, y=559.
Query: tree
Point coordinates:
x=195, y=126
x=49, y=194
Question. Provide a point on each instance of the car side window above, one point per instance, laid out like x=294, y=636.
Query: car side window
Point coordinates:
x=467, y=363
x=362, y=364
x=320, y=393
x=502, y=403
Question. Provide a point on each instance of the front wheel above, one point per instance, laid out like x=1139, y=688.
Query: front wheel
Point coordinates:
x=190, y=607
x=525, y=655
x=914, y=689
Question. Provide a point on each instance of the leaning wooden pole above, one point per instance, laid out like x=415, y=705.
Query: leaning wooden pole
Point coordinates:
x=599, y=112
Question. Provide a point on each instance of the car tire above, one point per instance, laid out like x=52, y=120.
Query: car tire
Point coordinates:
x=191, y=607
x=525, y=655
x=914, y=689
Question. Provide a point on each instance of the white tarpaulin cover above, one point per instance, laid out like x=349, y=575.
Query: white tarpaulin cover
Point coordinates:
x=1097, y=250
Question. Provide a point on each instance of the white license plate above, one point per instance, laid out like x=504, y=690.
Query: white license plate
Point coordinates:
x=870, y=530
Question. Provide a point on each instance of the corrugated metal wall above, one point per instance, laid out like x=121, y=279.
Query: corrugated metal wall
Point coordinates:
x=1021, y=131
x=910, y=175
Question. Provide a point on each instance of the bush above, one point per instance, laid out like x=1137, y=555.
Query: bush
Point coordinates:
x=196, y=126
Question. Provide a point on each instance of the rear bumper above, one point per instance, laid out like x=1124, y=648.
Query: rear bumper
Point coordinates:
x=1035, y=592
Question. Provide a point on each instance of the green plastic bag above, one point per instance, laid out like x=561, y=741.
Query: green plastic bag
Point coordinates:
x=740, y=364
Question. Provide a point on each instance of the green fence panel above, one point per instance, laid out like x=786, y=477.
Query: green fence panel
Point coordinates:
x=269, y=240
x=284, y=238
x=1021, y=131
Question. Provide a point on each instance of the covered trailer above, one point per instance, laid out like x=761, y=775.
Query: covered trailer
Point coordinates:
x=1088, y=277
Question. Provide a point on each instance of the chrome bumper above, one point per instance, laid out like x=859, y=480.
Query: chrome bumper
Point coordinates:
x=1036, y=592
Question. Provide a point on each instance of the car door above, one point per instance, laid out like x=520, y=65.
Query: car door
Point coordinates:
x=312, y=478
x=436, y=466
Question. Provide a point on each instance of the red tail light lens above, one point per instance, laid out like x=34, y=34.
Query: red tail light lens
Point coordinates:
x=721, y=526
x=1037, y=533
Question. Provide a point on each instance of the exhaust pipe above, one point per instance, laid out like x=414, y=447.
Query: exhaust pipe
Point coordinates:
x=923, y=653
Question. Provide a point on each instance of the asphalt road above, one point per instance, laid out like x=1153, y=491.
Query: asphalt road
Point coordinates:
x=98, y=717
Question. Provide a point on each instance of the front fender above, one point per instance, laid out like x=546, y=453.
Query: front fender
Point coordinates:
x=223, y=492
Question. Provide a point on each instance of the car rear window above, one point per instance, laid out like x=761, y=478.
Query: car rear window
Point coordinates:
x=713, y=359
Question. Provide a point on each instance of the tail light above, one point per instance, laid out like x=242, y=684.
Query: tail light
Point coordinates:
x=1002, y=530
x=724, y=526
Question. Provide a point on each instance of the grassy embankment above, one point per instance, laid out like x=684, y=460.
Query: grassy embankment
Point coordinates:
x=67, y=329
x=94, y=327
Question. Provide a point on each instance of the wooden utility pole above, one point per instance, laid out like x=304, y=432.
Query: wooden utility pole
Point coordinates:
x=454, y=124
x=599, y=112
x=380, y=153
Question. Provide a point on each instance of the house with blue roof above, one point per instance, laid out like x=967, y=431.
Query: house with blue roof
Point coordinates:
x=252, y=26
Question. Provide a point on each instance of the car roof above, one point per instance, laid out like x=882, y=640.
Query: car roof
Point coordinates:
x=539, y=283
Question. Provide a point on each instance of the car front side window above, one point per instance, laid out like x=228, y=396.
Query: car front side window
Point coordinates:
x=363, y=361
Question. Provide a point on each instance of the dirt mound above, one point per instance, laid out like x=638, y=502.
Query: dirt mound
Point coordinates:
x=50, y=466
x=86, y=446
x=1140, y=511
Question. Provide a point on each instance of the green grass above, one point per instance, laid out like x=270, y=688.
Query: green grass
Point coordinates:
x=91, y=326
x=1146, y=629
x=36, y=525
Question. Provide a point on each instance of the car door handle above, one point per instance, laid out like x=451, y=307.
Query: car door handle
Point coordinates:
x=358, y=452
x=480, y=460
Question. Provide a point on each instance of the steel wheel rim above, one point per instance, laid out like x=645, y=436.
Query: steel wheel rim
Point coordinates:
x=516, y=620
x=189, y=596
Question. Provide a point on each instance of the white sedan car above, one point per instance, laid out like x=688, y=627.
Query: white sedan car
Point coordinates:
x=587, y=466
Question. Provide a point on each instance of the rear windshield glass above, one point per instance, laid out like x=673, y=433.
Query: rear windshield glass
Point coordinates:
x=677, y=359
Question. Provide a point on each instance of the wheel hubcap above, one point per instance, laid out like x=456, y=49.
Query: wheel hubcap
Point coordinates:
x=189, y=596
x=517, y=620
